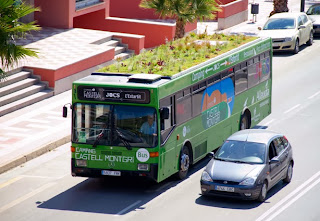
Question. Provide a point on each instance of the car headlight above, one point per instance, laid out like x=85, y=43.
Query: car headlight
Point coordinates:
x=288, y=39
x=248, y=181
x=206, y=177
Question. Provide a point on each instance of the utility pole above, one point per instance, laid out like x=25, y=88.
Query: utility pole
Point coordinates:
x=302, y=5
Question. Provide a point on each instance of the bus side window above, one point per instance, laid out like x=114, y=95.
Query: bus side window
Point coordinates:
x=166, y=124
x=241, y=78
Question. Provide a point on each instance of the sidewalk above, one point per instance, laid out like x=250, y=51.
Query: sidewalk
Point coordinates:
x=33, y=130
x=39, y=128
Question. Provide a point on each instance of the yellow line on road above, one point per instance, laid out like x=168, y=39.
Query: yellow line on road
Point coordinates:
x=2, y=185
x=25, y=197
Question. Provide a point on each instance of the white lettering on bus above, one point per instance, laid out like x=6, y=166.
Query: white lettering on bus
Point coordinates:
x=85, y=150
x=234, y=58
x=92, y=94
x=198, y=76
x=263, y=94
x=133, y=96
x=263, y=103
x=123, y=159
x=248, y=53
x=86, y=156
x=112, y=95
x=213, y=117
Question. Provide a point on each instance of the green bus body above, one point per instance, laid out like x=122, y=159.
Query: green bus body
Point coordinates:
x=206, y=104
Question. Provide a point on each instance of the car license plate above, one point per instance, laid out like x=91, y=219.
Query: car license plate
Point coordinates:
x=111, y=173
x=225, y=188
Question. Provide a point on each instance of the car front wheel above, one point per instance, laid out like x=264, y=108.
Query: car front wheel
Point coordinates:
x=296, y=47
x=263, y=193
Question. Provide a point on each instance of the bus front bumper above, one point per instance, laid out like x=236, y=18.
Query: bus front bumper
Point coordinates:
x=93, y=172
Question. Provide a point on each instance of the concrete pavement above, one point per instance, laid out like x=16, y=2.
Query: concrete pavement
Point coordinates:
x=39, y=128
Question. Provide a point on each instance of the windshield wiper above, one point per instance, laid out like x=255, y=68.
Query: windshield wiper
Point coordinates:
x=238, y=161
x=221, y=159
x=98, y=138
x=124, y=141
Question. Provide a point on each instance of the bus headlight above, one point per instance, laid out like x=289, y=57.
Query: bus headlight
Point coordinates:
x=144, y=167
x=81, y=163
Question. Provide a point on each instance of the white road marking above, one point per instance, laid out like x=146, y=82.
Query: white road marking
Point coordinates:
x=127, y=208
x=25, y=197
x=292, y=108
x=17, y=129
x=315, y=94
x=18, y=135
x=38, y=121
x=293, y=200
x=291, y=195
x=39, y=126
x=269, y=122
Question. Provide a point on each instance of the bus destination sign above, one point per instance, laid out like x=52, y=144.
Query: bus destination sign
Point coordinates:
x=113, y=95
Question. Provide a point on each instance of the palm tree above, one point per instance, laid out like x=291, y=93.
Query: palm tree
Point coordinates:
x=11, y=28
x=279, y=6
x=182, y=10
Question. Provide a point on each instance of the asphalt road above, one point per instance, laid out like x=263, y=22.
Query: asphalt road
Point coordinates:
x=43, y=188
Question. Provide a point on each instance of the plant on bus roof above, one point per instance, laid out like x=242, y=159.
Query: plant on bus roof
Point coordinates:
x=175, y=56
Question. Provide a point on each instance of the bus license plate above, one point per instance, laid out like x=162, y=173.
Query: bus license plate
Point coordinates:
x=110, y=173
x=225, y=188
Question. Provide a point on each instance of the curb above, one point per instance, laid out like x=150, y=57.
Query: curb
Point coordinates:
x=38, y=152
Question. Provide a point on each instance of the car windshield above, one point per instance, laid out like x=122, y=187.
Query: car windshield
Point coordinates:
x=240, y=151
x=314, y=10
x=279, y=23
x=114, y=125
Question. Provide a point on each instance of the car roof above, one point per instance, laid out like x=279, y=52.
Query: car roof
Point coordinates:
x=254, y=135
x=287, y=15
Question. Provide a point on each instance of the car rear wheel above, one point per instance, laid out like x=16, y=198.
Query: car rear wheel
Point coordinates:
x=310, y=41
x=289, y=173
x=263, y=193
x=184, y=163
x=296, y=47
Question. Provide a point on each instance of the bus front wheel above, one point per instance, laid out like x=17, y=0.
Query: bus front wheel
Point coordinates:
x=184, y=163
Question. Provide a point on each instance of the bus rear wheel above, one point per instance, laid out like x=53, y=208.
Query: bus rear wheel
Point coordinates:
x=244, y=122
x=184, y=163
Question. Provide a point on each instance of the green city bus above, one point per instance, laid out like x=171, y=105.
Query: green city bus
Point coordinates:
x=156, y=126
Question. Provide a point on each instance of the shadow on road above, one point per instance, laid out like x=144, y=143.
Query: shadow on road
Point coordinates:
x=236, y=203
x=113, y=195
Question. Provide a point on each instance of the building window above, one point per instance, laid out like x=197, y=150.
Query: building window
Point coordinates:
x=86, y=3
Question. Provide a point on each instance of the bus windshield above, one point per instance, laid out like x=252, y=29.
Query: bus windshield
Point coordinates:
x=115, y=125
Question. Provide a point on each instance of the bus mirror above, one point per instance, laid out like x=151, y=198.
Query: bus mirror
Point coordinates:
x=164, y=113
x=64, y=112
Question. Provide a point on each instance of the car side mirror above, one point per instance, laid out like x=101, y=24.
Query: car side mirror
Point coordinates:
x=274, y=160
x=210, y=155
x=164, y=113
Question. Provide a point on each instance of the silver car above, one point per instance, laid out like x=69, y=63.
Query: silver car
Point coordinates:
x=288, y=31
x=314, y=14
x=247, y=165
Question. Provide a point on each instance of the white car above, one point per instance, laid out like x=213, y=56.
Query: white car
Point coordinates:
x=314, y=14
x=288, y=31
